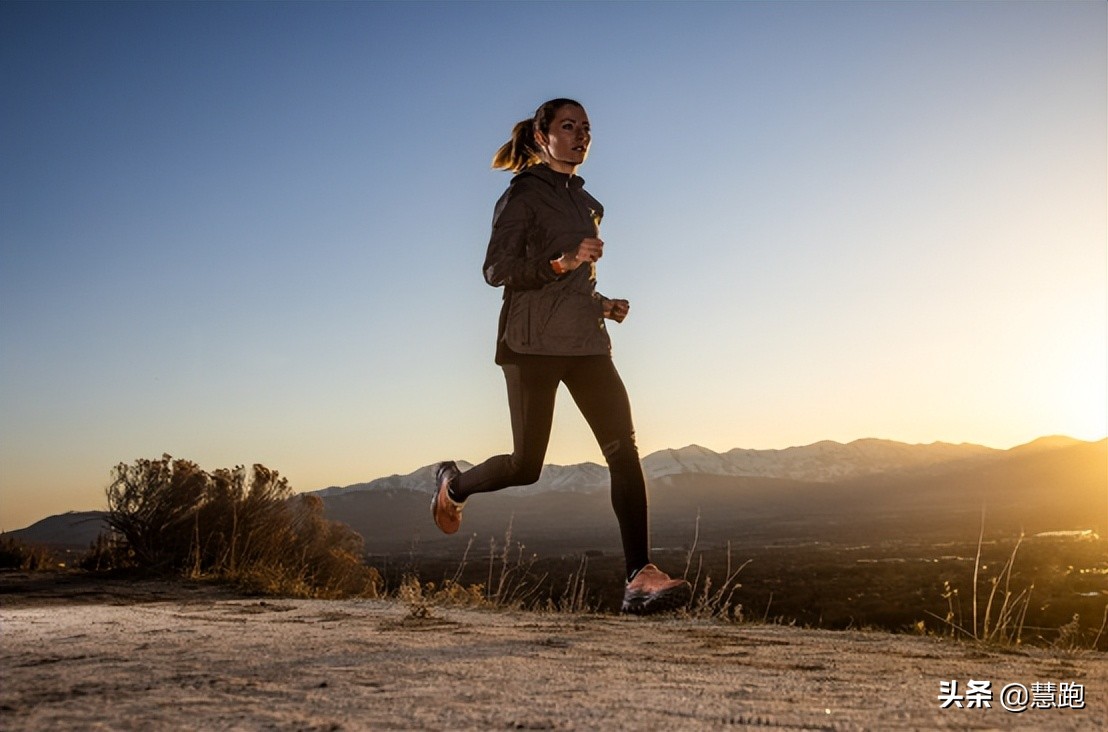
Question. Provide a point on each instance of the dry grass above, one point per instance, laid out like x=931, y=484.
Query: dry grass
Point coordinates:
x=511, y=584
x=998, y=616
x=706, y=602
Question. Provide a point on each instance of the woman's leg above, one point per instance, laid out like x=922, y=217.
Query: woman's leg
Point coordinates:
x=601, y=396
x=532, y=387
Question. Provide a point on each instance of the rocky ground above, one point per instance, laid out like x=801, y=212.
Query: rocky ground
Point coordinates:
x=79, y=654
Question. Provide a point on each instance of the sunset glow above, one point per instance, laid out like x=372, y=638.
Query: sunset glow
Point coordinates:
x=241, y=233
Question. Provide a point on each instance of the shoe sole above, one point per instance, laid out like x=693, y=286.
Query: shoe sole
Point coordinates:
x=660, y=602
x=435, y=505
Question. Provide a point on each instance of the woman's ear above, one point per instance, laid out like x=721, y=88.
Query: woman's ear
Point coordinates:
x=541, y=139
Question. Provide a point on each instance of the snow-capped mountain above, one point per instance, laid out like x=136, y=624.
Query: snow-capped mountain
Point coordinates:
x=583, y=477
x=822, y=462
x=419, y=480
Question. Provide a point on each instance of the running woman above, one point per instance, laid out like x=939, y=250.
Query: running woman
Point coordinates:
x=543, y=251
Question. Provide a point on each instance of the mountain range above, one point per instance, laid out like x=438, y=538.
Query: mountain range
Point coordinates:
x=831, y=491
x=822, y=462
x=862, y=491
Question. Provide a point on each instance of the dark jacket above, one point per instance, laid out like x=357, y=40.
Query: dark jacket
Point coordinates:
x=542, y=214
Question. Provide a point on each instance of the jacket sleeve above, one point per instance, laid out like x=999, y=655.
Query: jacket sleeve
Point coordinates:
x=508, y=262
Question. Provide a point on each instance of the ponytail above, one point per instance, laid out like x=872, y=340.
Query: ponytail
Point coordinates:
x=522, y=150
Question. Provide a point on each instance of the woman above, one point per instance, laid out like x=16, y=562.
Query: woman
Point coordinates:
x=543, y=251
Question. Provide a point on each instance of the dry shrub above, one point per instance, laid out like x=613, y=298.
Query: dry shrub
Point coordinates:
x=154, y=507
x=243, y=525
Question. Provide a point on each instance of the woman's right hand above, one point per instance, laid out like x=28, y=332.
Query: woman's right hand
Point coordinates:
x=589, y=250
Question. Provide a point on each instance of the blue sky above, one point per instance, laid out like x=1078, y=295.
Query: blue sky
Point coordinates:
x=253, y=232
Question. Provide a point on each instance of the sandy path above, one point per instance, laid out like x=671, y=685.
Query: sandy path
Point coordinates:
x=212, y=662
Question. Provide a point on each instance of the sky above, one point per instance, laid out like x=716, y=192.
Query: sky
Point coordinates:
x=253, y=233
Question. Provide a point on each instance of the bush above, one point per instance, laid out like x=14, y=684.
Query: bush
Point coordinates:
x=15, y=554
x=104, y=554
x=244, y=525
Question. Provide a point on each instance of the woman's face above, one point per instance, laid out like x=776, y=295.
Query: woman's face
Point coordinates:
x=567, y=144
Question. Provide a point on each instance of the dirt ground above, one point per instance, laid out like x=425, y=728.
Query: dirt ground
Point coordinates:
x=127, y=655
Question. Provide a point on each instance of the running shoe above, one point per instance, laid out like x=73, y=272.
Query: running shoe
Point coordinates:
x=446, y=512
x=653, y=591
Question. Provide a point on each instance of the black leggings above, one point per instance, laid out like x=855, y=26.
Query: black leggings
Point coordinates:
x=595, y=386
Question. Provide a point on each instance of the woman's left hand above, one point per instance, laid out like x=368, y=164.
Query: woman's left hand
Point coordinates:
x=616, y=309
